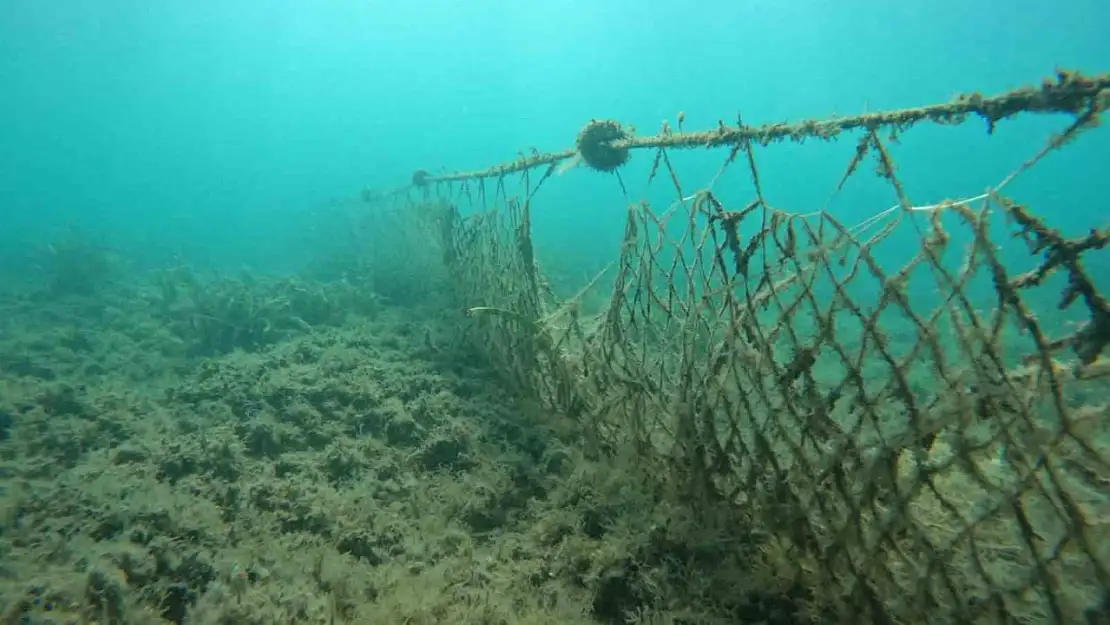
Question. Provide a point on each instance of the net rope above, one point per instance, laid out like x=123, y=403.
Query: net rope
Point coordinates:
x=919, y=441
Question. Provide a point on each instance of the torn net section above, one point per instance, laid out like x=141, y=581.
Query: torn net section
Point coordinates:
x=915, y=442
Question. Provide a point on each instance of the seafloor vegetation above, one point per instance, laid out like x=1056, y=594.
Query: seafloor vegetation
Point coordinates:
x=243, y=450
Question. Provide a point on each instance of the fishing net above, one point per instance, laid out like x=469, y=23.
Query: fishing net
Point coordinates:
x=907, y=413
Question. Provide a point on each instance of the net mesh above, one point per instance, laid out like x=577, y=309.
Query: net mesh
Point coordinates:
x=890, y=408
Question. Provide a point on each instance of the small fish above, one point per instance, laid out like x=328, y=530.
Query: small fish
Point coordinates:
x=569, y=164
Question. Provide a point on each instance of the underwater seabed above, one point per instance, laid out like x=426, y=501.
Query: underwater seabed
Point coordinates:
x=214, y=457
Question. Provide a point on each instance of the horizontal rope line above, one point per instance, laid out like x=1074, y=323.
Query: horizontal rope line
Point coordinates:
x=1067, y=92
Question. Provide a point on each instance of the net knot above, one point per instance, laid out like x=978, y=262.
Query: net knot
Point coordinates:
x=595, y=145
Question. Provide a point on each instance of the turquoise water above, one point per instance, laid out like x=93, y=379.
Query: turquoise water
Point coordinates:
x=224, y=133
